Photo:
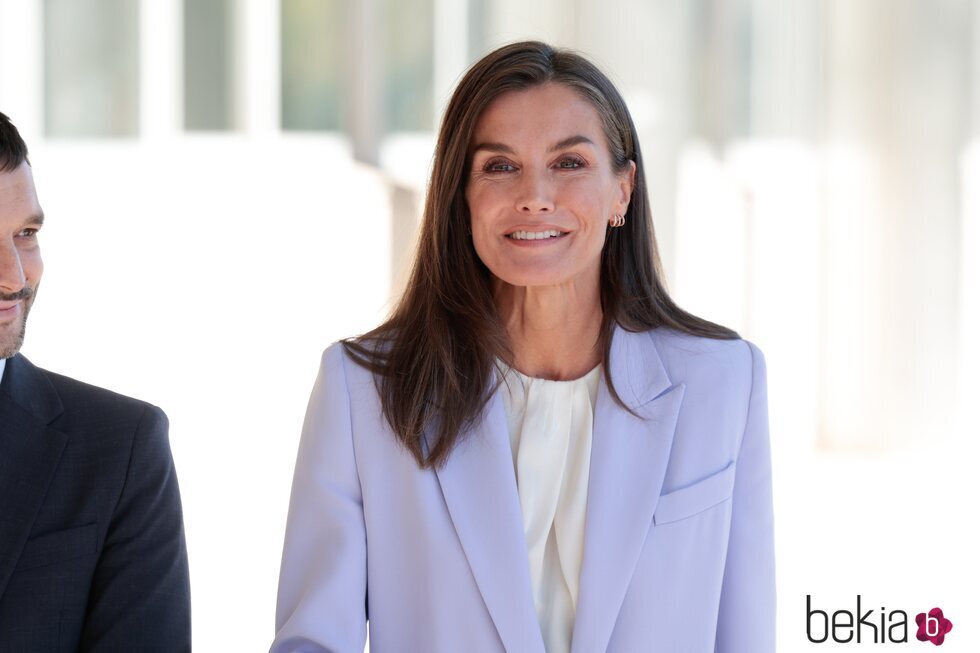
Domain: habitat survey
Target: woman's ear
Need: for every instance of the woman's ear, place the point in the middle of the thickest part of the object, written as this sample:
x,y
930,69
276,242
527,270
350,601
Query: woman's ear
x,y
626,184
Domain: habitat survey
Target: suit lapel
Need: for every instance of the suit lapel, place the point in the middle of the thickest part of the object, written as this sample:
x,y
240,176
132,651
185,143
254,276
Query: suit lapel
x,y
480,489
628,464
627,468
29,453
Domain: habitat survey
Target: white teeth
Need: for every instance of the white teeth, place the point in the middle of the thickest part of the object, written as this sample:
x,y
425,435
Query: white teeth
x,y
535,235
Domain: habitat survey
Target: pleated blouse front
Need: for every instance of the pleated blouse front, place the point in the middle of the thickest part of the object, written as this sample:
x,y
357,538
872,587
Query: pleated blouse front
x,y
550,425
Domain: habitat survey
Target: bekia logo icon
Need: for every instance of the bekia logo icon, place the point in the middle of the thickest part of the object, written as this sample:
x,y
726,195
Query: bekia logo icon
x,y
933,626
843,627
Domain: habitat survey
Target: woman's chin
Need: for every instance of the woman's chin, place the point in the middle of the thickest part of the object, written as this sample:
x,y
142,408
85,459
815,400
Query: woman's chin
x,y
530,279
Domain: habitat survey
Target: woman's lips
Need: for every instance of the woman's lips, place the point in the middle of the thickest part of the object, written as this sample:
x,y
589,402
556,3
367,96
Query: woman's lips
x,y
539,237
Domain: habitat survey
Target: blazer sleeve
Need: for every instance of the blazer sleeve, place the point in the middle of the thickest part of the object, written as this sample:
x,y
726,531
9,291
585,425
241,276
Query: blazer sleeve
x,y
747,612
140,593
323,579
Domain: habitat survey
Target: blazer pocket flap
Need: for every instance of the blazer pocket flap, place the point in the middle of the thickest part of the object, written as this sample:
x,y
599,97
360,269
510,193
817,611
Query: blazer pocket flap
x,y
59,546
689,501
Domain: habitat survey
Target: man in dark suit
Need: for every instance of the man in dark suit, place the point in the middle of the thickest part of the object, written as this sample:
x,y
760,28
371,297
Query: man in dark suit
x,y
92,554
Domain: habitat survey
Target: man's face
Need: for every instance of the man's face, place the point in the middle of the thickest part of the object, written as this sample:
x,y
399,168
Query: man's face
x,y
20,255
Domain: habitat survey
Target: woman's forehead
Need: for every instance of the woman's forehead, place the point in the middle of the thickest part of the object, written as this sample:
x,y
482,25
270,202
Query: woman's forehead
x,y
546,113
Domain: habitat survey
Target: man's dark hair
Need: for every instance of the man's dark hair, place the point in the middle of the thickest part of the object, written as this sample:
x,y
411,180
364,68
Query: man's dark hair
x,y
13,149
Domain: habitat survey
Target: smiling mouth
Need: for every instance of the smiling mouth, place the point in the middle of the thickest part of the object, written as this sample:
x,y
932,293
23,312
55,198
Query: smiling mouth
x,y
536,235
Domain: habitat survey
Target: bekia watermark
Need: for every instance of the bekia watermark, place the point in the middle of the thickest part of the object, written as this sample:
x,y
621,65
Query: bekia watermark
x,y
891,626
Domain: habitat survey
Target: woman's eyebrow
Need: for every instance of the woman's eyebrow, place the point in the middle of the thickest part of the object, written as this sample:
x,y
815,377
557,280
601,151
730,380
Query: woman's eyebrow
x,y
570,141
560,145
493,147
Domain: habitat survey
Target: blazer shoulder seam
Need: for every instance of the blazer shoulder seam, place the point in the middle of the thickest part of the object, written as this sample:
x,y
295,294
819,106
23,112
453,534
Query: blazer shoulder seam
x,y
132,454
350,417
748,405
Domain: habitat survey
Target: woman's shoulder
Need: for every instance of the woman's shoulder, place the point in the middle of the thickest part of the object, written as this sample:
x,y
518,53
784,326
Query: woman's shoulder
x,y
356,362
687,357
346,356
684,342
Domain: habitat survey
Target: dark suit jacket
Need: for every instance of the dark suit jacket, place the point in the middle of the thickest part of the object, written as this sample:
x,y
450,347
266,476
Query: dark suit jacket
x,y
92,554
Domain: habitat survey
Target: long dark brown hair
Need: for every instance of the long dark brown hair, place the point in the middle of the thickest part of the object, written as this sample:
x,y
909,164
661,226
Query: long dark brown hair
x,y
434,357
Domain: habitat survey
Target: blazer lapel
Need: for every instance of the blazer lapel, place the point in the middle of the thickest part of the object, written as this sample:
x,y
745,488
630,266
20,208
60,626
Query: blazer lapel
x,y
480,489
29,453
628,464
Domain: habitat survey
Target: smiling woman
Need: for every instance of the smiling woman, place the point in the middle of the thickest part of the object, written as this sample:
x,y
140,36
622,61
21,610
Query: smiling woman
x,y
538,450
540,192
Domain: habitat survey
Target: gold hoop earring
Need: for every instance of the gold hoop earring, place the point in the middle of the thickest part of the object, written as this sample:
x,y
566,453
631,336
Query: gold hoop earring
x,y
617,220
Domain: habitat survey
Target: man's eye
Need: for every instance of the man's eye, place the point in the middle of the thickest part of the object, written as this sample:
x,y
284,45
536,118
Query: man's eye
x,y
28,233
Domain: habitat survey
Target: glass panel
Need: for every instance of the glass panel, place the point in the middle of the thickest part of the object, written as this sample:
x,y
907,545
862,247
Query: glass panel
x,y
91,68
313,44
209,88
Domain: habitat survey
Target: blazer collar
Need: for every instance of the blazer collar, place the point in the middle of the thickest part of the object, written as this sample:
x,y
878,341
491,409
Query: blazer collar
x,y
29,453
629,460
627,469
27,387
480,489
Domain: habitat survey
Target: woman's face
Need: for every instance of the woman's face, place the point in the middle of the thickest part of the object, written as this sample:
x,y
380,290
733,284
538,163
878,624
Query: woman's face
x,y
541,187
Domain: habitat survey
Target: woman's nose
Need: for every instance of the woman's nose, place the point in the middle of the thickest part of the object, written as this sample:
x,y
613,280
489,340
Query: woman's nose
x,y
535,193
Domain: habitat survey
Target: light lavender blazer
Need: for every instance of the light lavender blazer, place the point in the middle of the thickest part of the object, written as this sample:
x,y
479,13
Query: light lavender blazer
x,y
679,524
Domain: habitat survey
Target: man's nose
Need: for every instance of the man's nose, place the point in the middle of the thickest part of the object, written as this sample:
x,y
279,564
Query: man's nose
x,y
12,277
536,194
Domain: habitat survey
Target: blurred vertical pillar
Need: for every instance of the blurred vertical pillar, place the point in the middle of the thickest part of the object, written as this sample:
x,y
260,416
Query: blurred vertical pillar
x,y
774,157
91,68
257,78
711,235
785,85
21,66
451,50
897,95
931,112
363,110
208,65
968,342
161,96
853,386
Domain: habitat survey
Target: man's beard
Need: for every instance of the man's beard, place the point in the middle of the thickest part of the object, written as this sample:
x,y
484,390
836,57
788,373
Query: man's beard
x,y
10,346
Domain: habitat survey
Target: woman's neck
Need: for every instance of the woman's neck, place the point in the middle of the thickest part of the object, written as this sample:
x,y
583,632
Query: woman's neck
x,y
553,330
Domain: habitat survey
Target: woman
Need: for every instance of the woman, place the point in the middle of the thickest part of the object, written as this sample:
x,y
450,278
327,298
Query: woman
x,y
466,481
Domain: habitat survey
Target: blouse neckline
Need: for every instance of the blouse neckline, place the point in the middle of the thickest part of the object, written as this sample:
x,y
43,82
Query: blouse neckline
x,y
587,377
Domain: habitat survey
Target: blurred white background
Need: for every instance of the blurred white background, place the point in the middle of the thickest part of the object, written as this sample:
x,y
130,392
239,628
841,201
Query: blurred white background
x,y
231,185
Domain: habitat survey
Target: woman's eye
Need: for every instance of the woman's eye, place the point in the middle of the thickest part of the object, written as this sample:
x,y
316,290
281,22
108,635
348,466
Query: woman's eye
x,y
498,166
570,164
28,233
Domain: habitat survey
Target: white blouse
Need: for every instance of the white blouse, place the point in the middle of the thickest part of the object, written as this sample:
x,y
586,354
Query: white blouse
x,y
550,424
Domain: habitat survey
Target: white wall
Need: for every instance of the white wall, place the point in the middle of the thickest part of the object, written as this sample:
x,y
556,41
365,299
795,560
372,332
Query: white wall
x,y
206,277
